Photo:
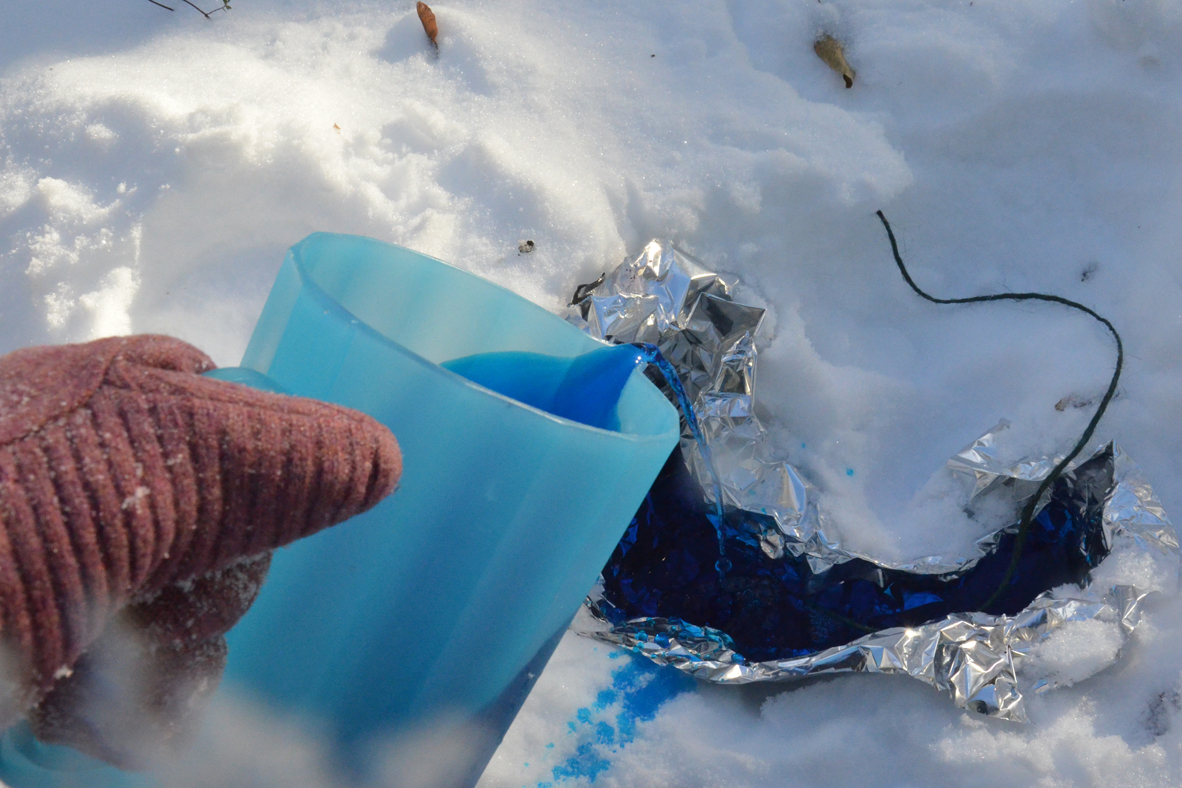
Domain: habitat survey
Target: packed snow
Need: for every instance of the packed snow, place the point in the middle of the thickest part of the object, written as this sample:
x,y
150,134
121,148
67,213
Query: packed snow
x,y
155,165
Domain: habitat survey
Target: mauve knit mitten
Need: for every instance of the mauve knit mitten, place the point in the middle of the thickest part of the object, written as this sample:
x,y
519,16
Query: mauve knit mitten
x,y
139,503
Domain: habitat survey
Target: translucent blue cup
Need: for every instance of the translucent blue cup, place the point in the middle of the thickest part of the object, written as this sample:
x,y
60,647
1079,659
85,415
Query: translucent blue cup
x,y
438,606
430,615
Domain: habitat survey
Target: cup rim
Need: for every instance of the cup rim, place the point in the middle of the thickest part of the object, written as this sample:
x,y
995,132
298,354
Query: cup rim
x,y
327,300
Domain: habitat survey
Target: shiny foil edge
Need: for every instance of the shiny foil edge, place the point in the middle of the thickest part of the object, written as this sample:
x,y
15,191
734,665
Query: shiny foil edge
x,y
666,298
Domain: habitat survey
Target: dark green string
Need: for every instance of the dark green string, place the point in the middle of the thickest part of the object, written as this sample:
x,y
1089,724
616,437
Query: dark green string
x,y
1029,511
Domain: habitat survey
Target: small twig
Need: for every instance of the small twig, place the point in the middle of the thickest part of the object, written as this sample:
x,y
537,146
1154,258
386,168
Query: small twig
x,y
207,14
162,5
203,13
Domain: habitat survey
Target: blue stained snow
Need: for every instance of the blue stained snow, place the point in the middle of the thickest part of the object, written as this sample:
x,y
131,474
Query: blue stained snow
x,y
627,726
638,690
641,698
586,762
849,471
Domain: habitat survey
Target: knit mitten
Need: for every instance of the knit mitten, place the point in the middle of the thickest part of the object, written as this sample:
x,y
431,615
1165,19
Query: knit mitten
x,y
139,503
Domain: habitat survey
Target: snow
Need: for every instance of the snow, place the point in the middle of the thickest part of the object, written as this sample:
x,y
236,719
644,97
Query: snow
x,y
154,167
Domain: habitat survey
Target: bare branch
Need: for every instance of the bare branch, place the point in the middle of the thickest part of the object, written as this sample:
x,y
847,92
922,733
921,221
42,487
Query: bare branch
x,y
203,13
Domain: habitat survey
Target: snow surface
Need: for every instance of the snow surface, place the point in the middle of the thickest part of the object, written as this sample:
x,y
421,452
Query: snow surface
x,y
154,167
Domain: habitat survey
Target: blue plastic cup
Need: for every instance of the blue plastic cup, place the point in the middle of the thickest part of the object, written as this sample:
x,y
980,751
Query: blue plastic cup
x,y
431,614
435,605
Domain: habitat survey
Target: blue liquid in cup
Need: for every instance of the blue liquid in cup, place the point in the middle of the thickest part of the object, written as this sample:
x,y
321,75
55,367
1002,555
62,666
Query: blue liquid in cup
x,y
583,389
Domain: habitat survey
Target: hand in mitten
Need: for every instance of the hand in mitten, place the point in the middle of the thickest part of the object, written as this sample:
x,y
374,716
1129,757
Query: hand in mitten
x,y
139,503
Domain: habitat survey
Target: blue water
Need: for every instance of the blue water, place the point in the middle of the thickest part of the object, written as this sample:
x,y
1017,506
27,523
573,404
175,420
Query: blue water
x,y
583,389
668,565
652,355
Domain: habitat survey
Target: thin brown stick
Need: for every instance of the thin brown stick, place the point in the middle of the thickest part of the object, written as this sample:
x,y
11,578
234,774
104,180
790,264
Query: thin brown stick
x,y
162,5
203,13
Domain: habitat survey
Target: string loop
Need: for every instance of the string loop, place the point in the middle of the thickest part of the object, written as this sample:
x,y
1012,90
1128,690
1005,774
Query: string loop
x,y
1028,511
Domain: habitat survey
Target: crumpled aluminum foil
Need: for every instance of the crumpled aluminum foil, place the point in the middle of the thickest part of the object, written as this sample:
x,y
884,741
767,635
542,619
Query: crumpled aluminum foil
x,y
666,299
985,662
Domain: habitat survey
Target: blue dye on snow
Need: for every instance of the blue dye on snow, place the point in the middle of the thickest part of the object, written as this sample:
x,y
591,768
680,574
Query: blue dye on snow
x,y
550,746
639,689
627,726
605,698
584,763
849,471
644,689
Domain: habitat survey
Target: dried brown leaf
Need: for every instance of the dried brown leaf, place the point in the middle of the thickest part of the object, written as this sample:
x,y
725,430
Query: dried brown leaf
x,y
1073,401
427,17
830,50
